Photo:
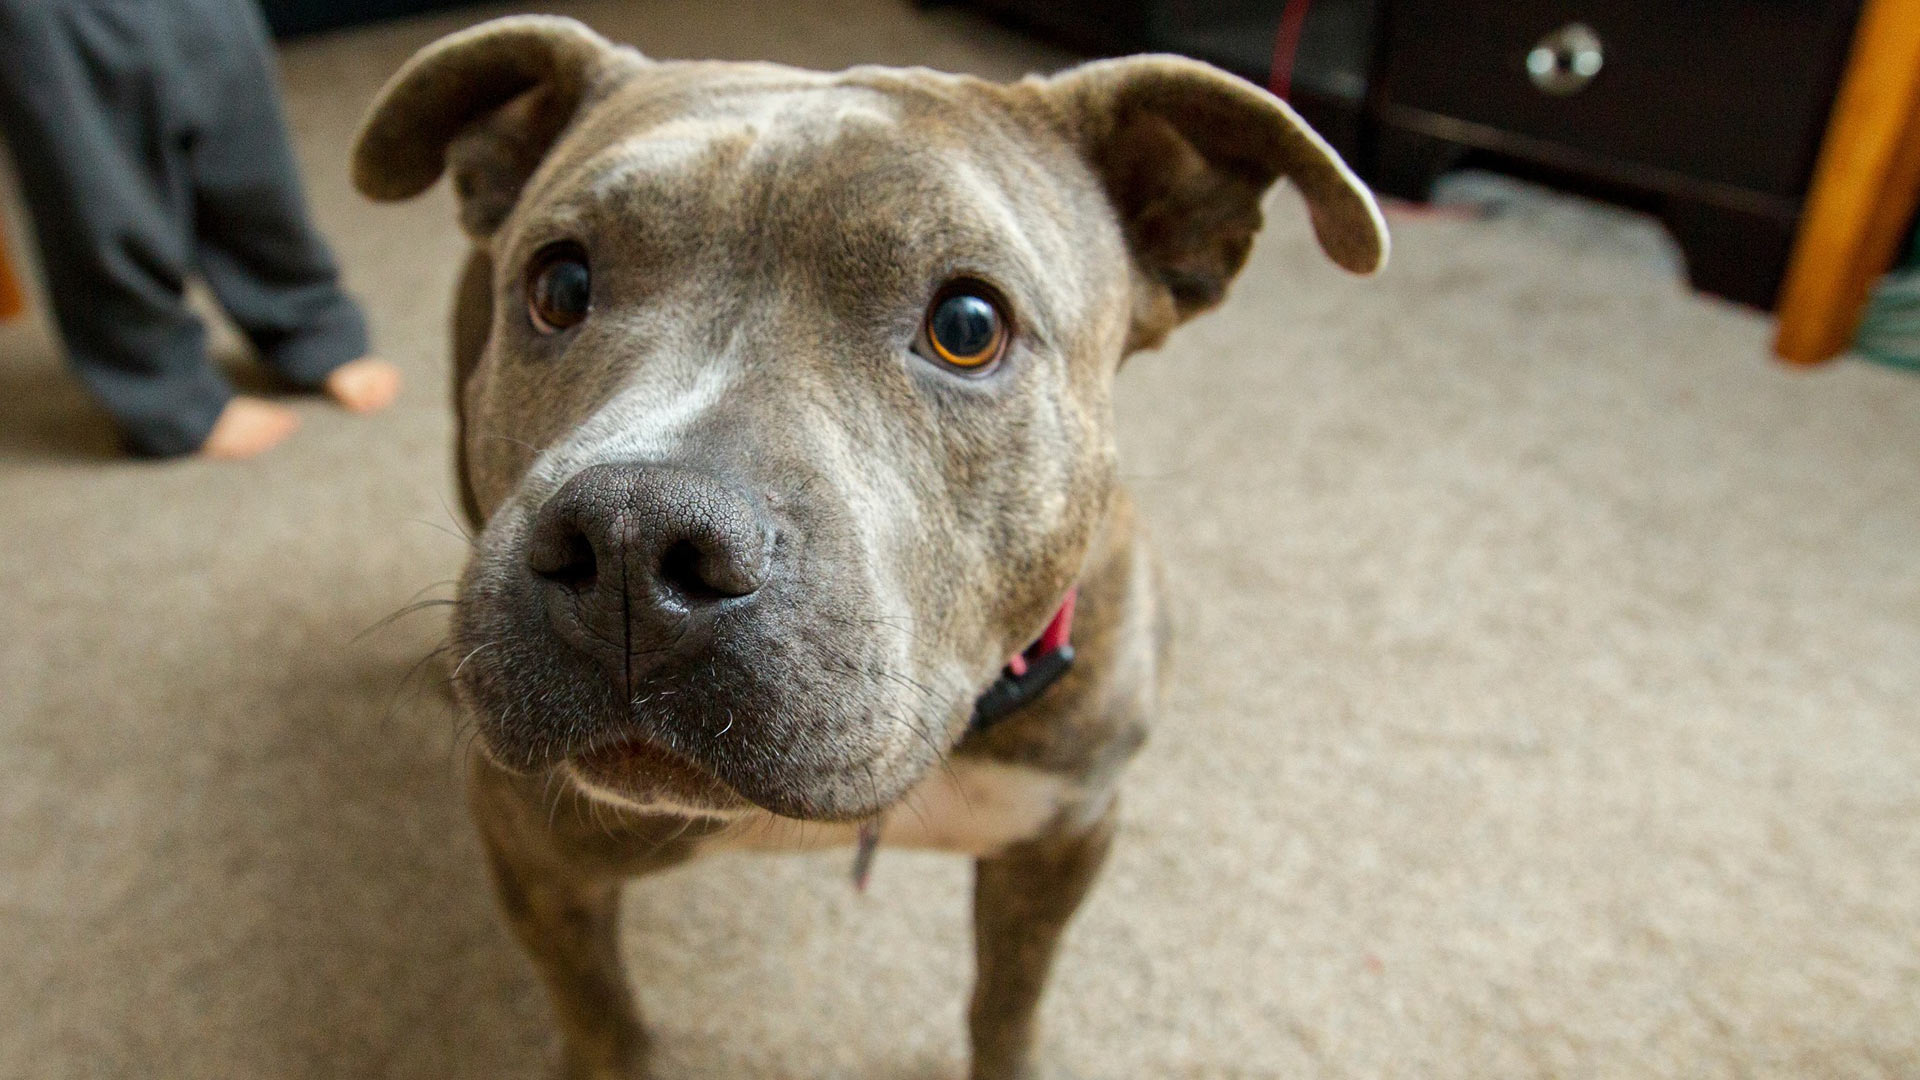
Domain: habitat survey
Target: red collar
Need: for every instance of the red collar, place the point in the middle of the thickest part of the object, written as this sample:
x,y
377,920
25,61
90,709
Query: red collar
x,y
1030,671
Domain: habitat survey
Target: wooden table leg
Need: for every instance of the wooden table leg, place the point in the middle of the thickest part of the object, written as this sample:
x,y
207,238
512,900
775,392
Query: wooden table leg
x,y
1865,188
13,298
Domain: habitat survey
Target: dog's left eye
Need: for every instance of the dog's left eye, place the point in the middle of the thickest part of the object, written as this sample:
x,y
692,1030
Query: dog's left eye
x,y
965,327
559,287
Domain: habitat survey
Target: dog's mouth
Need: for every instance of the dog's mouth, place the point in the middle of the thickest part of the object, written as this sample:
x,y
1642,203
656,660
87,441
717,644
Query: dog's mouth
x,y
649,776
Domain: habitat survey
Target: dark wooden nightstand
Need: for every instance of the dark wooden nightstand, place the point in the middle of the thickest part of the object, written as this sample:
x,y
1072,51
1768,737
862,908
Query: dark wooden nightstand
x,y
1708,113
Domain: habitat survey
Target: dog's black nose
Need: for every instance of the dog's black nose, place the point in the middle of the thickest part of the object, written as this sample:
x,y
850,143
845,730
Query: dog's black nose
x,y
634,550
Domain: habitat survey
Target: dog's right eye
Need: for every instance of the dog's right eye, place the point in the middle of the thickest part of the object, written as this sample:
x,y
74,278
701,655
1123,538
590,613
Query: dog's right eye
x,y
559,287
965,328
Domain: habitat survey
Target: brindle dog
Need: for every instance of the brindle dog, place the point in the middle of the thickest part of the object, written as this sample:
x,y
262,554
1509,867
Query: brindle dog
x,y
785,411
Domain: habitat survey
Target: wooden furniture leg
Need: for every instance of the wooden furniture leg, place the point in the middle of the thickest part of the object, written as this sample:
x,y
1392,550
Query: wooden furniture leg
x,y
1865,187
13,298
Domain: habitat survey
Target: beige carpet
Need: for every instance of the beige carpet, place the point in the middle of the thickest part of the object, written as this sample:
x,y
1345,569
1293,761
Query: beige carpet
x,y
1547,708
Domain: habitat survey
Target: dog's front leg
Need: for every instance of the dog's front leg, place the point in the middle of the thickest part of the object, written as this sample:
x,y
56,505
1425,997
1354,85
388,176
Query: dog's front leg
x,y
1022,900
571,929
566,914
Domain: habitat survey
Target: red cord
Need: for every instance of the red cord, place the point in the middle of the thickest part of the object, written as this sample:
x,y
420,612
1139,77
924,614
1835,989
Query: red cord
x,y
1286,45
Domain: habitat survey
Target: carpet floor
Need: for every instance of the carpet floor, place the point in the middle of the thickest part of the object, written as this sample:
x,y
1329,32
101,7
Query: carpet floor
x,y
1546,703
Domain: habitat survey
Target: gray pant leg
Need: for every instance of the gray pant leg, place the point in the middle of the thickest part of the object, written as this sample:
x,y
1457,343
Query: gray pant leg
x,y
256,247
104,175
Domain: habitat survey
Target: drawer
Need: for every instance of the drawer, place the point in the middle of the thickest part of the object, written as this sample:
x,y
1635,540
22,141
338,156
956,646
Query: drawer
x,y
1731,92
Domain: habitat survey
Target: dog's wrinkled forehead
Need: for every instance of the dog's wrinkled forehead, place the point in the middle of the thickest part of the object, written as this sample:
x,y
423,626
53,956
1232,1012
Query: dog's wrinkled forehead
x,y
828,186
753,124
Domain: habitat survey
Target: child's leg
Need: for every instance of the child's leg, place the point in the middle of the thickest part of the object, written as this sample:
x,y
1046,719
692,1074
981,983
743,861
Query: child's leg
x,y
255,245
82,107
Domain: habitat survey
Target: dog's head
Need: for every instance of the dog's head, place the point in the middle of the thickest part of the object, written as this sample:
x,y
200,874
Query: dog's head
x,y
792,416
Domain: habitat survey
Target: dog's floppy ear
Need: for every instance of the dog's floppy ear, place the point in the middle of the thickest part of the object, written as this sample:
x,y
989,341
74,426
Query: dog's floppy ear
x,y
487,104
1186,152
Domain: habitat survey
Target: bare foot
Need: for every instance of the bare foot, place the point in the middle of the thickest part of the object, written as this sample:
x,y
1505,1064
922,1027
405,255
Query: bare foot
x,y
248,427
366,385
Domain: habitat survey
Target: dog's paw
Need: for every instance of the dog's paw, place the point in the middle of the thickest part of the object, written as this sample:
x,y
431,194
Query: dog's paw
x,y
629,1062
630,1070
1030,1070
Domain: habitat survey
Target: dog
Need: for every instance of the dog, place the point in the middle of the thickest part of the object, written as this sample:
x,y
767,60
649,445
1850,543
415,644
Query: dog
x,y
784,415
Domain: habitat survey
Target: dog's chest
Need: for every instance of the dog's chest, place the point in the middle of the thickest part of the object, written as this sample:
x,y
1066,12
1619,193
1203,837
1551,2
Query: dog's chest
x,y
971,807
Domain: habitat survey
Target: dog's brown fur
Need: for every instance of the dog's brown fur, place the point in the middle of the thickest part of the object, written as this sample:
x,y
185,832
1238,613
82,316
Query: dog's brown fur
x,y
763,241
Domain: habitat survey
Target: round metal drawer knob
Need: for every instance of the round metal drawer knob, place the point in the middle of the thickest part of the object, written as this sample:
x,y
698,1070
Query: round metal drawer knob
x,y
1565,61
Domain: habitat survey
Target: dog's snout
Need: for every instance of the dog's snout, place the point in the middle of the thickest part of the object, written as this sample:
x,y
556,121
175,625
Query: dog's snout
x,y
644,546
